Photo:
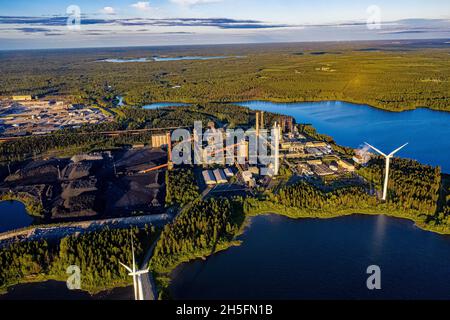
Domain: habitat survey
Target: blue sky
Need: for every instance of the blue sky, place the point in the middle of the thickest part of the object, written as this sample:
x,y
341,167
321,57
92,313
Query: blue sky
x,y
292,11
133,22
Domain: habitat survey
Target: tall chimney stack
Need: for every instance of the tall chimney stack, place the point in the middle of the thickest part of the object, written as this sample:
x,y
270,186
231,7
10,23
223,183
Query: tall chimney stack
x,y
169,151
262,119
257,123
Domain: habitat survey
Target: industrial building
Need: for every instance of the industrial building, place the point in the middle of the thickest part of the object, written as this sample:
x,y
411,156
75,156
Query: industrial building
x,y
208,177
293,146
248,178
37,117
315,144
322,170
220,177
228,172
22,98
347,166
314,162
160,140
287,123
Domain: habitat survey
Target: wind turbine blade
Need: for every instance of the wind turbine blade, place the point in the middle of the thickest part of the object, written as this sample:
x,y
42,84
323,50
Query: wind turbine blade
x,y
132,251
376,149
397,150
126,267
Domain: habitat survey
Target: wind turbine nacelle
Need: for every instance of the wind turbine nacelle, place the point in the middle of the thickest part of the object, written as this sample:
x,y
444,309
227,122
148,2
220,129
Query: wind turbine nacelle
x,y
138,273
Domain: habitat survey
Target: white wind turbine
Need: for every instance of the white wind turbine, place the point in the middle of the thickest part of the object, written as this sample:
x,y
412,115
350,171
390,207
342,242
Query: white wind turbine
x,y
137,277
388,161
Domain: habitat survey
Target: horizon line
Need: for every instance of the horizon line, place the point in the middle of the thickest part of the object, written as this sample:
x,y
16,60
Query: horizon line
x,y
226,44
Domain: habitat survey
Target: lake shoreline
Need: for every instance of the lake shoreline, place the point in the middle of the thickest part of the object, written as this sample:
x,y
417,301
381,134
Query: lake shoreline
x,y
89,294
348,213
304,215
293,101
192,280
236,241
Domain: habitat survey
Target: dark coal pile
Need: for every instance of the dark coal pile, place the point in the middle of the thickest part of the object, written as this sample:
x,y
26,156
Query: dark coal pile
x,y
139,193
90,185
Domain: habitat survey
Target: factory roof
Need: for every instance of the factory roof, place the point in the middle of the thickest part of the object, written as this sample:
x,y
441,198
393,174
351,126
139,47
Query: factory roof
x,y
208,177
228,172
220,176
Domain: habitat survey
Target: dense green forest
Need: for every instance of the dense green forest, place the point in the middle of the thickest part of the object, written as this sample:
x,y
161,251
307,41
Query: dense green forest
x,y
394,76
414,191
138,118
97,254
306,196
442,218
65,143
412,186
181,187
208,226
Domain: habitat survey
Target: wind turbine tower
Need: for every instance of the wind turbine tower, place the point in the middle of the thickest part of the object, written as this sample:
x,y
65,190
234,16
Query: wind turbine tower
x,y
388,161
137,276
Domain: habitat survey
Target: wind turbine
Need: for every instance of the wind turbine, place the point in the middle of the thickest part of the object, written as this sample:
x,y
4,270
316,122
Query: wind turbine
x,y
388,161
137,276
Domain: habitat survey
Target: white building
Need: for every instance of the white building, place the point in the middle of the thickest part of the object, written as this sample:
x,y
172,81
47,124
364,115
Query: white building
x,y
220,176
228,172
247,176
208,177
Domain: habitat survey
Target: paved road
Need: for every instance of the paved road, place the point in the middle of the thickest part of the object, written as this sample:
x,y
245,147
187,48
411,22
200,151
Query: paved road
x,y
66,229
148,282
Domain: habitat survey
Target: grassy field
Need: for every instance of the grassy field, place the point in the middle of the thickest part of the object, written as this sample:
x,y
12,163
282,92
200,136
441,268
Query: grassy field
x,y
393,76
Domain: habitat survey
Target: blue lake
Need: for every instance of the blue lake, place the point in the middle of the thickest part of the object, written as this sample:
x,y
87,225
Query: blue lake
x,y
125,60
13,216
161,59
158,105
193,58
427,131
282,258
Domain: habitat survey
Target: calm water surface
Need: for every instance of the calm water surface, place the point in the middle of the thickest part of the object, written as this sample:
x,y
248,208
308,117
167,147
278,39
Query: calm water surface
x,y
57,290
282,258
158,105
13,216
158,59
